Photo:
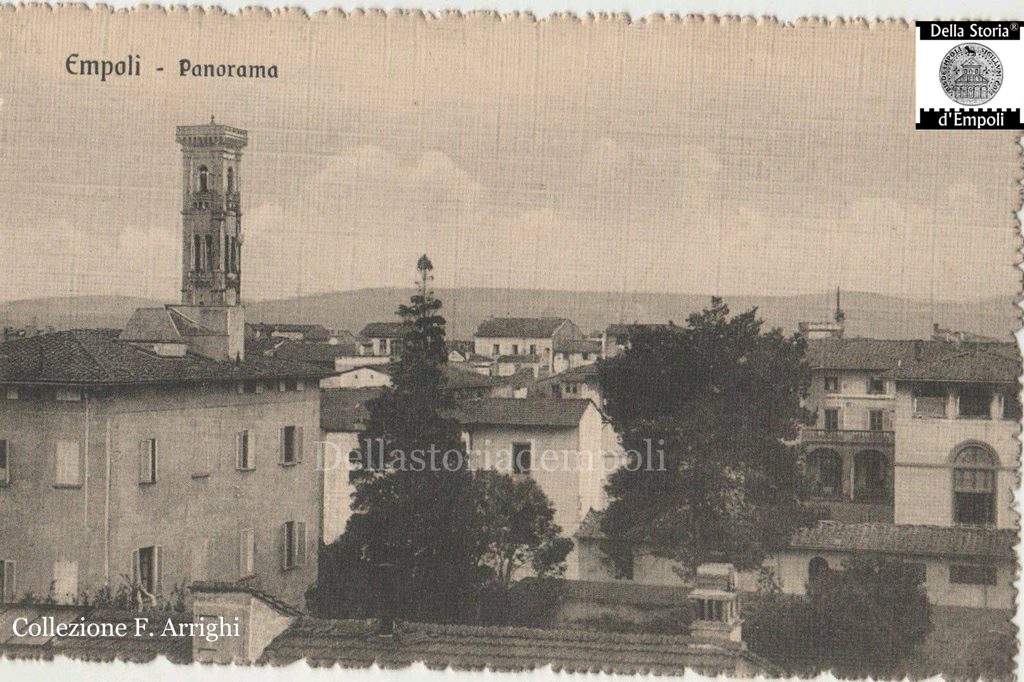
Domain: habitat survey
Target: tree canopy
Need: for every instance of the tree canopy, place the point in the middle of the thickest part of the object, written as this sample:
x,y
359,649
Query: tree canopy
x,y
708,414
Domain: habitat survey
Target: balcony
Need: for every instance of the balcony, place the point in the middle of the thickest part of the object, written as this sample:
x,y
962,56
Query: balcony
x,y
847,437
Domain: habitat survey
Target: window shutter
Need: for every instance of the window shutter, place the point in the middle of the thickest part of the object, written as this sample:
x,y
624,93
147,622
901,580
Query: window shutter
x,y
252,449
300,385
7,450
158,570
136,572
284,544
246,540
281,386
298,443
238,449
280,455
144,462
300,543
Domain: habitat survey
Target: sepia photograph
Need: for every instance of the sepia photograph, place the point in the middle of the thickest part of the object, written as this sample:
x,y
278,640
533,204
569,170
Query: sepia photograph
x,y
660,345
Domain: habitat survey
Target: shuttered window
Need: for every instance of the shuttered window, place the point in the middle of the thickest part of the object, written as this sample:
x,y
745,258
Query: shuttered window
x,y
7,584
5,462
68,464
148,461
246,554
294,544
291,445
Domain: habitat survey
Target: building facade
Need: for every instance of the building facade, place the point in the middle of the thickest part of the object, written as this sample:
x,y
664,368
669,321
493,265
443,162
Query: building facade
x,y
144,459
505,337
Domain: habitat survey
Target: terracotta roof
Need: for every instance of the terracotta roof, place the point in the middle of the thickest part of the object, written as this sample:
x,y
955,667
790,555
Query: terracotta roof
x,y
888,354
177,649
97,356
317,352
551,412
356,644
310,332
519,327
578,346
344,409
888,538
161,325
385,330
466,378
984,363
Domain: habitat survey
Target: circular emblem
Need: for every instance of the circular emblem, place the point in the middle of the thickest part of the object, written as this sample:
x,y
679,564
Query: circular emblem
x,y
971,74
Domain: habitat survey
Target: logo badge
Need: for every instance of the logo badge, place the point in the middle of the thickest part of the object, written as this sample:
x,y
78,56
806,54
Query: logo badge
x,y
971,74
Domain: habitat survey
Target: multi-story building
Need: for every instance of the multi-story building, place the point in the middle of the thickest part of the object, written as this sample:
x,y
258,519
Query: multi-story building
x,y
573,353
146,457
502,337
384,339
560,444
914,455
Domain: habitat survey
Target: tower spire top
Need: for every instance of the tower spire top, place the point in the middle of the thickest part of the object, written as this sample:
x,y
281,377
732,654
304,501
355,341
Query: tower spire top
x,y
839,315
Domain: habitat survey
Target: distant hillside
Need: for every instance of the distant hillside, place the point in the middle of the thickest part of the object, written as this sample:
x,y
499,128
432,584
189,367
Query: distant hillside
x,y
866,314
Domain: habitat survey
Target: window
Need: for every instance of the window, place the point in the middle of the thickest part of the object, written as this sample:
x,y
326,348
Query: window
x,y
495,349
68,464
197,253
817,568
146,571
522,453
875,419
825,472
930,400
7,584
515,349
294,544
870,480
533,349
204,179
1011,406
974,486
245,451
231,180
832,419
147,461
249,387
67,395
586,356
12,393
831,384
296,385
876,386
208,253
246,554
291,445
974,402
5,462
972,574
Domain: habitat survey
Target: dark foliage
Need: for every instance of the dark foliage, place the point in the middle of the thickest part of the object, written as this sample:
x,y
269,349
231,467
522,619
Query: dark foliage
x,y
721,399
863,620
428,541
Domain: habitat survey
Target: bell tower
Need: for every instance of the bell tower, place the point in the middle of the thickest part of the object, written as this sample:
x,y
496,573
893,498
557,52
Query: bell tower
x,y
211,216
211,237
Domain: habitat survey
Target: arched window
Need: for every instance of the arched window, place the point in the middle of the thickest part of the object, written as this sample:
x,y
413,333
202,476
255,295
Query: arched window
x,y
870,476
231,180
825,473
974,485
204,179
817,568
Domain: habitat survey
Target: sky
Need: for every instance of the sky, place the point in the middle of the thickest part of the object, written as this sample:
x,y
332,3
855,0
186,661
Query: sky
x,y
596,155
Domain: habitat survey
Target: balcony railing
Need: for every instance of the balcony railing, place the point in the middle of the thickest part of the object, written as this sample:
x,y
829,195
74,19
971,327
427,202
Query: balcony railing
x,y
846,437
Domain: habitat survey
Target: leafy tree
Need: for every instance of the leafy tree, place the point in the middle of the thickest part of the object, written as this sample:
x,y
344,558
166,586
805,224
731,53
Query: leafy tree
x,y
412,545
428,540
518,528
863,620
708,414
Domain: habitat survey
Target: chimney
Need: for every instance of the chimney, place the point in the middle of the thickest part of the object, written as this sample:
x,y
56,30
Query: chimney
x,y
237,622
716,604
